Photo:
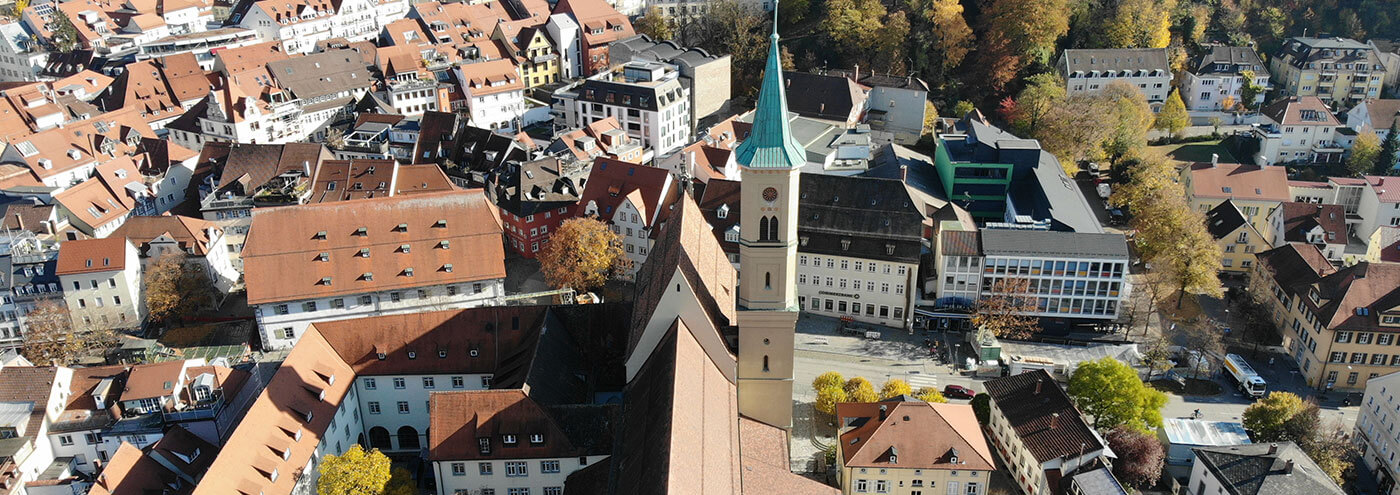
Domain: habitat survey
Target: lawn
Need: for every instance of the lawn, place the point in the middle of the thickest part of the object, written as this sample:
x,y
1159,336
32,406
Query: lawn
x,y
1194,152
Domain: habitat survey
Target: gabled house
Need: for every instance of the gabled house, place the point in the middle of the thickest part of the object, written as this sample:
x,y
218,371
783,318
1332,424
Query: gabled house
x,y
101,281
199,243
1318,224
902,442
535,197
632,199
1041,436
1297,129
599,25
1237,238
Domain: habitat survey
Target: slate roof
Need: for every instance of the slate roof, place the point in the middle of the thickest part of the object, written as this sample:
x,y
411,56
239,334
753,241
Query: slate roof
x,y
534,186
1252,470
1050,243
322,74
1031,415
858,216
1223,59
1224,219
1115,59
821,96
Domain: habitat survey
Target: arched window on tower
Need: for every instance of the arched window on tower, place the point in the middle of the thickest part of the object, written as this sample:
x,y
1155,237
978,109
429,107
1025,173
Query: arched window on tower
x,y
763,229
767,280
765,363
773,229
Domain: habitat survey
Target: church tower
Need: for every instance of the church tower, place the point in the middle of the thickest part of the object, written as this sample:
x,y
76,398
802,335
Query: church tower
x,y
770,159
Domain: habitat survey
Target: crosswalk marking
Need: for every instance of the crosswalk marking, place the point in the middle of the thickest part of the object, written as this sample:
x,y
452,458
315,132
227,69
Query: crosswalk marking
x,y
917,381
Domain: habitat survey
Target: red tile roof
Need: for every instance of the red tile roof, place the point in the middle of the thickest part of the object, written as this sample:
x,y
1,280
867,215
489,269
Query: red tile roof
x,y
1239,182
153,380
91,256
279,258
922,435
460,419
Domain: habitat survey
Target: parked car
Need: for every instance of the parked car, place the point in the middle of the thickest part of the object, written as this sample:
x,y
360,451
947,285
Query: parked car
x,y
958,392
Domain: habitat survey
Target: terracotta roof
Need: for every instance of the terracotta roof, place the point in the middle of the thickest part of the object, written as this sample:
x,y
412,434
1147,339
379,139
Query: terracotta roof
x,y
1389,243
593,15
461,419
920,435
1240,182
131,472
153,380
1354,297
1300,110
488,78
285,240
1033,417
422,179
190,233
230,380
26,384
92,255
285,422
1382,113
86,379
1387,188
764,464
495,333
1298,218
685,243
344,180
93,203
235,60
90,81
610,181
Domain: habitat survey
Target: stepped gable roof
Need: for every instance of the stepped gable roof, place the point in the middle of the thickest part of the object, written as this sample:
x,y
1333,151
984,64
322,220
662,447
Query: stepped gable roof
x,y
1042,415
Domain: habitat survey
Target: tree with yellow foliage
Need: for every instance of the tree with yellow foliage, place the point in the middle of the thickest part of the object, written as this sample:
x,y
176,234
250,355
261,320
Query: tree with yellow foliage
x,y
930,394
859,389
582,254
895,387
355,472
1140,24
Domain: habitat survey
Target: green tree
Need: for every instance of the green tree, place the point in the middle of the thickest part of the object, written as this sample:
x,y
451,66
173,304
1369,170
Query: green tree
x,y
1250,90
1043,92
65,34
941,35
895,387
1269,417
1365,154
1128,119
582,253
1173,117
655,24
792,12
982,407
930,394
860,390
1109,391
829,396
866,30
1390,149
355,472
734,28
961,109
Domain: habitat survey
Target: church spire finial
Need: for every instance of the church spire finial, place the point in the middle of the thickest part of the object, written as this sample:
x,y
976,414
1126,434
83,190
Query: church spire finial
x,y
770,143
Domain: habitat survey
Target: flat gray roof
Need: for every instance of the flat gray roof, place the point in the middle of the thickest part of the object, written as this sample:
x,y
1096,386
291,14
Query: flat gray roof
x,y
1053,244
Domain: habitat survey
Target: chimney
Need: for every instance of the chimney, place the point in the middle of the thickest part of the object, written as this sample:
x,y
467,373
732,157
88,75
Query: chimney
x,y
1273,449
1214,159
883,411
1038,384
903,173
19,220
1054,420
1288,467
856,76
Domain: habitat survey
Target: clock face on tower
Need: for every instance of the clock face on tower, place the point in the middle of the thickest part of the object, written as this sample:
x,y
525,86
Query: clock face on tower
x,y
770,195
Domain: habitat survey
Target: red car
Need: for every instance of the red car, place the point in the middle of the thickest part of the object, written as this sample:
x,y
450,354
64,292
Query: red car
x,y
958,392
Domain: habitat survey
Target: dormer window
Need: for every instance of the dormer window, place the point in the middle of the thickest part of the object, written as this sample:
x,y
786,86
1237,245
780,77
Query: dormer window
x,y
403,227
508,439
447,267
367,276
483,445
722,212
325,280
440,224
323,257
404,248
408,272
444,245
380,356
364,253
361,232
442,353
320,236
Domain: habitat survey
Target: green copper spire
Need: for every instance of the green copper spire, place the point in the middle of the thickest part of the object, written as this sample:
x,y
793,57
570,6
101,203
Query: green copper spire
x,y
770,143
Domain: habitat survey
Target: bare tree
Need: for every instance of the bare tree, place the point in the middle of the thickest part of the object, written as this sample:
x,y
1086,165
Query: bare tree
x,y
52,337
1202,340
1008,311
